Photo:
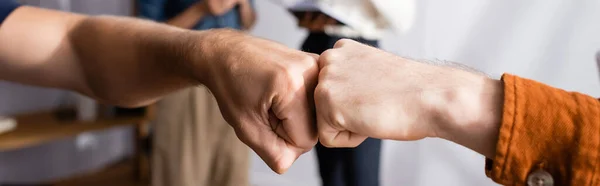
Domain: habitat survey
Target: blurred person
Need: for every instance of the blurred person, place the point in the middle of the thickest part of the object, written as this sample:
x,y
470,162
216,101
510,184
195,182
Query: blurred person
x,y
358,166
262,87
532,134
192,143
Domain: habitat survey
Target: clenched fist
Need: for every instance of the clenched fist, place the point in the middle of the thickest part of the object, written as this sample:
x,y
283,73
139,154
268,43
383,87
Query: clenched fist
x,y
365,92
263,90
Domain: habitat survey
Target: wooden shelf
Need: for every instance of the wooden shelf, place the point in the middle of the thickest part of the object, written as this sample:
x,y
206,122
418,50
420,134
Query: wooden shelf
x,y
42,127
121,174
37,128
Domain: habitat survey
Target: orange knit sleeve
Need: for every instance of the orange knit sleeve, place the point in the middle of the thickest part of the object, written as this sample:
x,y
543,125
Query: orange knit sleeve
x,y
547,135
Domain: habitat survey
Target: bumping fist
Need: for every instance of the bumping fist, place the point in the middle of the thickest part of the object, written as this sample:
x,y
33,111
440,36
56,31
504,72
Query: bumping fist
x,y
365,92
263,90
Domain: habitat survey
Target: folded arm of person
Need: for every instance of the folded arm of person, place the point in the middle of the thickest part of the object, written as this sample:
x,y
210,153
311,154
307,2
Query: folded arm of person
x,y
531,133
190,16
247,14
154,10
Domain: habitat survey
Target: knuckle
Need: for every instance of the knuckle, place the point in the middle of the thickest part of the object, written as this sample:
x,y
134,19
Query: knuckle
x,y
329,56
327,73
331,112
308,145
342,42
283,77
338,121
322,93
308,60
245,138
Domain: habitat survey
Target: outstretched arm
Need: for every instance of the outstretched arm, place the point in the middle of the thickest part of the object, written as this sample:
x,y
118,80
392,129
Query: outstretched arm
x,y
118,60
262,87
531,133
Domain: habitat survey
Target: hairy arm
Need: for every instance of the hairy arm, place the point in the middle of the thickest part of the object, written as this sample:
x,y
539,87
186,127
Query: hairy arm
x,y
474,112
122,61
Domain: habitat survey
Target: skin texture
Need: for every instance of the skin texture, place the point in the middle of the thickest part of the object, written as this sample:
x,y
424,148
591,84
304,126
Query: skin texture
x,y
365,92
262,87
276,84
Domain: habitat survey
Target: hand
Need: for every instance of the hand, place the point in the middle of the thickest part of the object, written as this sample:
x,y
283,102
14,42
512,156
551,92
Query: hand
x,y
315,24
263,89
220,7
365,92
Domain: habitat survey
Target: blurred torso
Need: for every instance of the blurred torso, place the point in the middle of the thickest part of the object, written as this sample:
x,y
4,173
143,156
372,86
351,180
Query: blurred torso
x,y
231,19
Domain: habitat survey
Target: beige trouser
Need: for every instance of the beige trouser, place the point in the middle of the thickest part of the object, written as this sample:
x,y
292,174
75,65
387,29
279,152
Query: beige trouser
x,y
194,146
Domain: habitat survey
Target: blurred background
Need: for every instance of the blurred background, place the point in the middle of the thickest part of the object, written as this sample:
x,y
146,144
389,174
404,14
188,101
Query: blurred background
x,y
551,41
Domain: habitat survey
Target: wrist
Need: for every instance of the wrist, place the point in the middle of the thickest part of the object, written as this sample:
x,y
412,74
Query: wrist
x,y
211,49
473,113
185,55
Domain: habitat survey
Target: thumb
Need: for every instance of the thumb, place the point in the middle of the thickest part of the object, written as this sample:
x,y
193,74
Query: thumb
x,y
278,154
331,126
330,136
281,160
316,56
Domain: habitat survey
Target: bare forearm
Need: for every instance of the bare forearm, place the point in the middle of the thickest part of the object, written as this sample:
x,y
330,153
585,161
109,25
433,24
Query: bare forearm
x,y
123,61
474,113
133,62
189,17
247,15
32,42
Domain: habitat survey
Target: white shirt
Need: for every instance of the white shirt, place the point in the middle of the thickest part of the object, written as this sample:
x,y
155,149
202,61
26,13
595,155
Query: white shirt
x,y
369,19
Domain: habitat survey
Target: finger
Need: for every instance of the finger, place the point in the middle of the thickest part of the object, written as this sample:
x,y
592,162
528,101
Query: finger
x,y
277,126
311,79
344,43
295,111
319,23
331,132
273,150
313,55
328,57
339,139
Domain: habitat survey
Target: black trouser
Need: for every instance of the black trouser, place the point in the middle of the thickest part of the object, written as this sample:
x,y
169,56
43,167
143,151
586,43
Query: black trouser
x,y
345,166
